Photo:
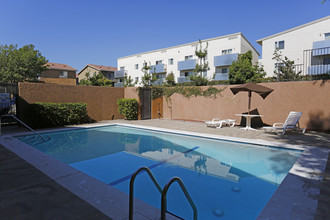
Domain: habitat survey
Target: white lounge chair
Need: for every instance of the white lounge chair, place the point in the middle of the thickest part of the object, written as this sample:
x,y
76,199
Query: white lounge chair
x,y
291,123
216,122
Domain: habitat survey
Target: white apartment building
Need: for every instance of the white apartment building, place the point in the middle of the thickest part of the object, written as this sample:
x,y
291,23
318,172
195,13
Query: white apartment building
x,y
181,60
307,45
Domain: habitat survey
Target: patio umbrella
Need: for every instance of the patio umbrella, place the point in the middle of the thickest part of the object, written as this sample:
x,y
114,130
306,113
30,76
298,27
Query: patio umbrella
x,y
252,87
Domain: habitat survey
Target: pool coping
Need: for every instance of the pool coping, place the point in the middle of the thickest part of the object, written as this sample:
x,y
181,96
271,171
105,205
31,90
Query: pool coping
x,y
293,197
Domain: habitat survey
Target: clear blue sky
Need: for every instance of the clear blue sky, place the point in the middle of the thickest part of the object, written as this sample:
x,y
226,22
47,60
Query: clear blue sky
x,y
78,32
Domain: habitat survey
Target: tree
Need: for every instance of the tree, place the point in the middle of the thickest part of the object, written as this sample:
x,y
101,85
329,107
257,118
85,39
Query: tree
x,y
128,81
285,69
170,80
19,65
147,78
201,66
96,80
242,70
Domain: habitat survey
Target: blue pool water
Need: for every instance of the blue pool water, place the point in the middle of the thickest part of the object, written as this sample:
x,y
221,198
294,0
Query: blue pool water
x,y
226,180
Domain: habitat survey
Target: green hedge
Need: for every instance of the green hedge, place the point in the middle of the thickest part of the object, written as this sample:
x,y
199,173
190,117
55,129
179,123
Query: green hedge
x,y
128,108
40,115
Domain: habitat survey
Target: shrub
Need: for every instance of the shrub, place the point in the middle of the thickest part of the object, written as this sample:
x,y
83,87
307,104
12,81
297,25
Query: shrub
x,y
128,108
56,114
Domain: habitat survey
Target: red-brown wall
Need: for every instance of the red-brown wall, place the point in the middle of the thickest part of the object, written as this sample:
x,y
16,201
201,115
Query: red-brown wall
x,y
101,101
310,97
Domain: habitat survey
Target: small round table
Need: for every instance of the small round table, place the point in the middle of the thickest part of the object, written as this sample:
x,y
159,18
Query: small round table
x,y
248,120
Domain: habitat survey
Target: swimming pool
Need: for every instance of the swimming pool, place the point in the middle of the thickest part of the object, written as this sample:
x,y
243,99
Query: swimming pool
x,y
227,180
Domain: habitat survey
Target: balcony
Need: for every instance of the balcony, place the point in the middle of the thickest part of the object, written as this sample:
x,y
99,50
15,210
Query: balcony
x,y
319,69
160,68
183,79
159,82
120,74
225,60
321,47
119,84
221,76
186,65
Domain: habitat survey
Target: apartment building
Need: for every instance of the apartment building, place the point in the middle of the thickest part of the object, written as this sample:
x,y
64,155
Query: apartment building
x,y
181,60
307,45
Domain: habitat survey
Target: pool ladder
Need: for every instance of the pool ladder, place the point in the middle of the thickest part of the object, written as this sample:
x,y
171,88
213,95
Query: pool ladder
x,y
163,193
42,139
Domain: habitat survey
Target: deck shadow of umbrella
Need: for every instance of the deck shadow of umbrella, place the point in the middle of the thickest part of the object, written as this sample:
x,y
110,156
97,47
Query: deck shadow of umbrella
x,y
256,121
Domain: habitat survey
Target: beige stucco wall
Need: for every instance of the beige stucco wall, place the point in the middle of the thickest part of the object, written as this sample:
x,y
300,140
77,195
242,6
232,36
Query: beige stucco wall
x,y
101,101
89,69
311,97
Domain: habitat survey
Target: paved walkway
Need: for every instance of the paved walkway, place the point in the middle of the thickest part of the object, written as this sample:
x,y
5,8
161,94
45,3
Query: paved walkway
x,y
28,191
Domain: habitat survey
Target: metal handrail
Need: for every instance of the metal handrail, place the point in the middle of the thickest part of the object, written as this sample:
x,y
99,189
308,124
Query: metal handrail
x,y
185,191
24,125
131,188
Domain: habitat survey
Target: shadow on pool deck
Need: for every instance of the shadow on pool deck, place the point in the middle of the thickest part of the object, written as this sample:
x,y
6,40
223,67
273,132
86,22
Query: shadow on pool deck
x,y
27,193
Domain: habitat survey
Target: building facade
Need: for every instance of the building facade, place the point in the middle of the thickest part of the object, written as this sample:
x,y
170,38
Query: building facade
x,y
59,73
307,45
181,60
107,71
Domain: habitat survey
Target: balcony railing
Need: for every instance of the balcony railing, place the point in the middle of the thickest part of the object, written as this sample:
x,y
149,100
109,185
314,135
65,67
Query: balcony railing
x,y
225,60
120,74
221,76
183,79
187,65
119,84
160,68
158,82
319,69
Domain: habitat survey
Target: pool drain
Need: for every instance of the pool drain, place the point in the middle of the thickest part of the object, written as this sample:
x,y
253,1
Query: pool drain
x,y
218,212
235,189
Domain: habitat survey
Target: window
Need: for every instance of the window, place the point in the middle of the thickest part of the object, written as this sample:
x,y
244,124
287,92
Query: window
x,y
278,65
186,74
122,68
327,36
136,66
158,62
228,51
205,74
63,74
136,79
224,70
160,76
279,45
170,61
188,57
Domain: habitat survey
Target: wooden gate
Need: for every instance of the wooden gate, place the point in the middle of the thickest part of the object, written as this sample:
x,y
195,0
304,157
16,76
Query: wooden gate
x,y
145,100
157,108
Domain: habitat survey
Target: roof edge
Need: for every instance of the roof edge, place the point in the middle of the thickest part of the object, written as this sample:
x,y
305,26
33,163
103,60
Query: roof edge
x,y
180,45
293,29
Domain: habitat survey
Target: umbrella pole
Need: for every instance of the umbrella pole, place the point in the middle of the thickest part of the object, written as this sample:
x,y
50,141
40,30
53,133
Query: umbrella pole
x,y
249,106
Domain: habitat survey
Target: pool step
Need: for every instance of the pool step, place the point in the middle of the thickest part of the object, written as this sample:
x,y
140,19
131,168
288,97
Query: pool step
x,y
34,140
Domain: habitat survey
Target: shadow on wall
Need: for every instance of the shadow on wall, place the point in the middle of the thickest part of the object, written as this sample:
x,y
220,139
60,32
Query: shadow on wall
x,y
256,122
318,121
323,82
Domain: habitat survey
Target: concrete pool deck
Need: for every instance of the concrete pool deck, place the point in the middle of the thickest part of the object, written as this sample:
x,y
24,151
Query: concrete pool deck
x,y
311,139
